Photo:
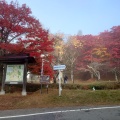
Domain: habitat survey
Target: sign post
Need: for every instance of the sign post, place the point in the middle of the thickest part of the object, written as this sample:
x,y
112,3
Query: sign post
x,y
45,79
59,68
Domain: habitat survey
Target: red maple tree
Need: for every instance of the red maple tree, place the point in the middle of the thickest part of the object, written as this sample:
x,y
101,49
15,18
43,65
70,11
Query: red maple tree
x,y
112,40
20,32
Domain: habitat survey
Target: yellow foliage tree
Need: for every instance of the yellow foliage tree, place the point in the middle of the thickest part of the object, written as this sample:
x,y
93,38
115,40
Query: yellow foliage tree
x,y
75,42
101,53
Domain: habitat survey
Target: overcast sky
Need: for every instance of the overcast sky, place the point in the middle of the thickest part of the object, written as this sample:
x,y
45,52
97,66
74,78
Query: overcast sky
x,y
71,16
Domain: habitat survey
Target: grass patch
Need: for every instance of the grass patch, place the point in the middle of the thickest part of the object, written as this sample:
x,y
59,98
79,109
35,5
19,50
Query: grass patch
x,y
68,98
80,94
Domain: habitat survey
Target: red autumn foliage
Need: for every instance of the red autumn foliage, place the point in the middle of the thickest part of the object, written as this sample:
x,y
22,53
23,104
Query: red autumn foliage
x,y
86,56
112,39
20,32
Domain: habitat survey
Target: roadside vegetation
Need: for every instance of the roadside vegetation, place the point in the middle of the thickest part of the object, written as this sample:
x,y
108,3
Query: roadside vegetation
x,y
81,94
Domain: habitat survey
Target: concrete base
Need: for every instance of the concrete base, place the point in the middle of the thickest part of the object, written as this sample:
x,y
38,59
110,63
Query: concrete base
x,y
2,92
24,93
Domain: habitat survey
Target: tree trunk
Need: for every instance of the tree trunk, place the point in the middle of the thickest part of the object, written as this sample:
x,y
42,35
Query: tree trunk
x,y
72,76
98,75
116,77
91,75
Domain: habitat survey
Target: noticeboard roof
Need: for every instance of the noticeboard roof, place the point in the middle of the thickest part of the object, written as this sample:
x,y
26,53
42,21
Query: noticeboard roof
x,y
17,58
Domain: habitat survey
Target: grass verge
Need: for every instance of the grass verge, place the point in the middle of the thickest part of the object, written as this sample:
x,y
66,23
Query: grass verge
x,y
68,98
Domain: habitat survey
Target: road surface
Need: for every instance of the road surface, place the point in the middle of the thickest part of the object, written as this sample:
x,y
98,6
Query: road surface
x,y
74,113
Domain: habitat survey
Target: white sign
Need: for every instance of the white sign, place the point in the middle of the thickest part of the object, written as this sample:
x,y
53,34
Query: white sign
x,y
59,67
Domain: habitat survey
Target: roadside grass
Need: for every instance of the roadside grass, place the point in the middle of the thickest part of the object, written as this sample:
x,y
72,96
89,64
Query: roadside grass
x,y
69,97
88,85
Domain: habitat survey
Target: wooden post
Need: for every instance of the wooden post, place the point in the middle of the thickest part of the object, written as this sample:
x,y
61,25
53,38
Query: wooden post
x,y
24,93
3,79
47,88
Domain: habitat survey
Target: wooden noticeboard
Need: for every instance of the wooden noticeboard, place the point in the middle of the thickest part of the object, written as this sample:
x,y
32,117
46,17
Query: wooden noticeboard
x,y
15,70
45,79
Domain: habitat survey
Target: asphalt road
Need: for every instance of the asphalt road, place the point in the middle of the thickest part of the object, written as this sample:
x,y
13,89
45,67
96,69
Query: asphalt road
x,y
74,113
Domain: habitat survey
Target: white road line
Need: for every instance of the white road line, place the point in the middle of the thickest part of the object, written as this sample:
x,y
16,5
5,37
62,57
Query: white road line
x,y
63,111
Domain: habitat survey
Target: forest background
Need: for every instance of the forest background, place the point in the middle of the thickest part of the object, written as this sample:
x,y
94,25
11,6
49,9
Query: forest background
x,y
85,56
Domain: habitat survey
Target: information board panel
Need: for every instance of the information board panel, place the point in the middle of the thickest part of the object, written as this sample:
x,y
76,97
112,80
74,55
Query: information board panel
x,y
14,74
